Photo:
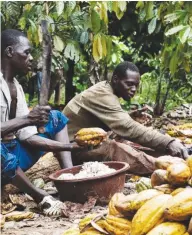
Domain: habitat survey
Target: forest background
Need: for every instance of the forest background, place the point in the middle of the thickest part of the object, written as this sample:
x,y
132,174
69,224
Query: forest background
x,y
91,37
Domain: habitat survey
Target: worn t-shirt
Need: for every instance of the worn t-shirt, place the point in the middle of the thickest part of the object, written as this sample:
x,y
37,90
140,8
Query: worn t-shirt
x,y
21,109
98,106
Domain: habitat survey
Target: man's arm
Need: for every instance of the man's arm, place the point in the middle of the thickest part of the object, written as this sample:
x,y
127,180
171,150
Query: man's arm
x,y
108,110
39,115
45,144
14,125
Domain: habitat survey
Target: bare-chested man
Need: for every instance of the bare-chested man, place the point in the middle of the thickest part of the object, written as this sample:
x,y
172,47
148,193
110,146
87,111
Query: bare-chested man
x,y
21,145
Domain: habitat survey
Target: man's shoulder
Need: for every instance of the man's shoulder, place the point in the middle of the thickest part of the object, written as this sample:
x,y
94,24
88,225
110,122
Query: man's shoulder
x,y
100,88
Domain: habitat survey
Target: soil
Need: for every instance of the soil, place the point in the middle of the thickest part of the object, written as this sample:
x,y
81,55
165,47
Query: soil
x,y
41,225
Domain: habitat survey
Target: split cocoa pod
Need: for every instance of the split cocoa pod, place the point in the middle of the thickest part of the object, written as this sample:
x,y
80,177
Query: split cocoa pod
x,y
159,177
178,174
90,136
164,162
179,208
136,201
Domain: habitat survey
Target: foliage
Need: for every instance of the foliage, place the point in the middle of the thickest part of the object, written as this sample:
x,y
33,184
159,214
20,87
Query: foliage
x,y
97,35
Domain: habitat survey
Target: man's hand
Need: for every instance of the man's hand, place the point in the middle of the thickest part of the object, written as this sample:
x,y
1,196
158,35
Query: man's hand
x,y
177,149
141,116
39,115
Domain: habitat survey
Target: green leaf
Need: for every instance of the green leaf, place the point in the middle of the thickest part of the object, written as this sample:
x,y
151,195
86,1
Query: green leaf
x,y
173,63
51,23
109,47
140,4
84,37
174,30
92,4
95,52
114,58
95,20
58,43
184,34
110,6
22,22
122,5
104,48
59,7
149,10
71,52
117,10
152,25
171,17
103,12
119,14
33,26
142,15
71,6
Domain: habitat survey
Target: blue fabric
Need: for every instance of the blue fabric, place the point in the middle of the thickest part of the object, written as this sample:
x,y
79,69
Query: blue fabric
x,y
15,153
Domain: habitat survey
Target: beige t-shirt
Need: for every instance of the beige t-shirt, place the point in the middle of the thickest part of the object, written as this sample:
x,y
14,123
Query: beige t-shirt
x,y
98,106
21,110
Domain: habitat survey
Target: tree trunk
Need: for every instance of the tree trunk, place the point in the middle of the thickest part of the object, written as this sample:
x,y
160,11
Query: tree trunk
x,y
44,94
69,88
165,97
57,93
158,97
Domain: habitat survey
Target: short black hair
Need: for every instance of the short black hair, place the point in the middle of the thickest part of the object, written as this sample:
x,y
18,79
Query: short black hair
x,y
10,37
120,70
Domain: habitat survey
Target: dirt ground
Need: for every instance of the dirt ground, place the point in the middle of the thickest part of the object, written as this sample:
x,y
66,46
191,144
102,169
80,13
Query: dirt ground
x,y
41,225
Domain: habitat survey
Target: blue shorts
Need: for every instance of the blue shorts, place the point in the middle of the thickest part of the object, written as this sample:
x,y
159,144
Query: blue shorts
x,y
14,153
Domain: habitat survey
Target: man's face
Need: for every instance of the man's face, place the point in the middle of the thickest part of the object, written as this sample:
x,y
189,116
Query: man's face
x,y
126,87
21,57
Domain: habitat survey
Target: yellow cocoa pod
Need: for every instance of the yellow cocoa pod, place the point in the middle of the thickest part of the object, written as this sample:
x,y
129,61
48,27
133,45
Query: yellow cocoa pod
x,y
72,231
178,174
172,133
164,162
168,228
149,214
142,198
116,199
91,231
86,220
165,188
91,131
190,227
90,136
189,163
19,215
159,177
113,230
190,182
176,191
179,208
120,223
123,206
2,220
184,126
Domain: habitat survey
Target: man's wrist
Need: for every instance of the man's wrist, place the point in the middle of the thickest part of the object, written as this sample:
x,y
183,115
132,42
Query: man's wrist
x,y
27,120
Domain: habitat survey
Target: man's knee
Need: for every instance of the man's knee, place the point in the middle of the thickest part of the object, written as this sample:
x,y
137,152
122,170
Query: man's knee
x,y
9,164
57,122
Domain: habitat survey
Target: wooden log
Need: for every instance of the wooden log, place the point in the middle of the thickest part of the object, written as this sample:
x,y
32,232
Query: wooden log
x,y
43,168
